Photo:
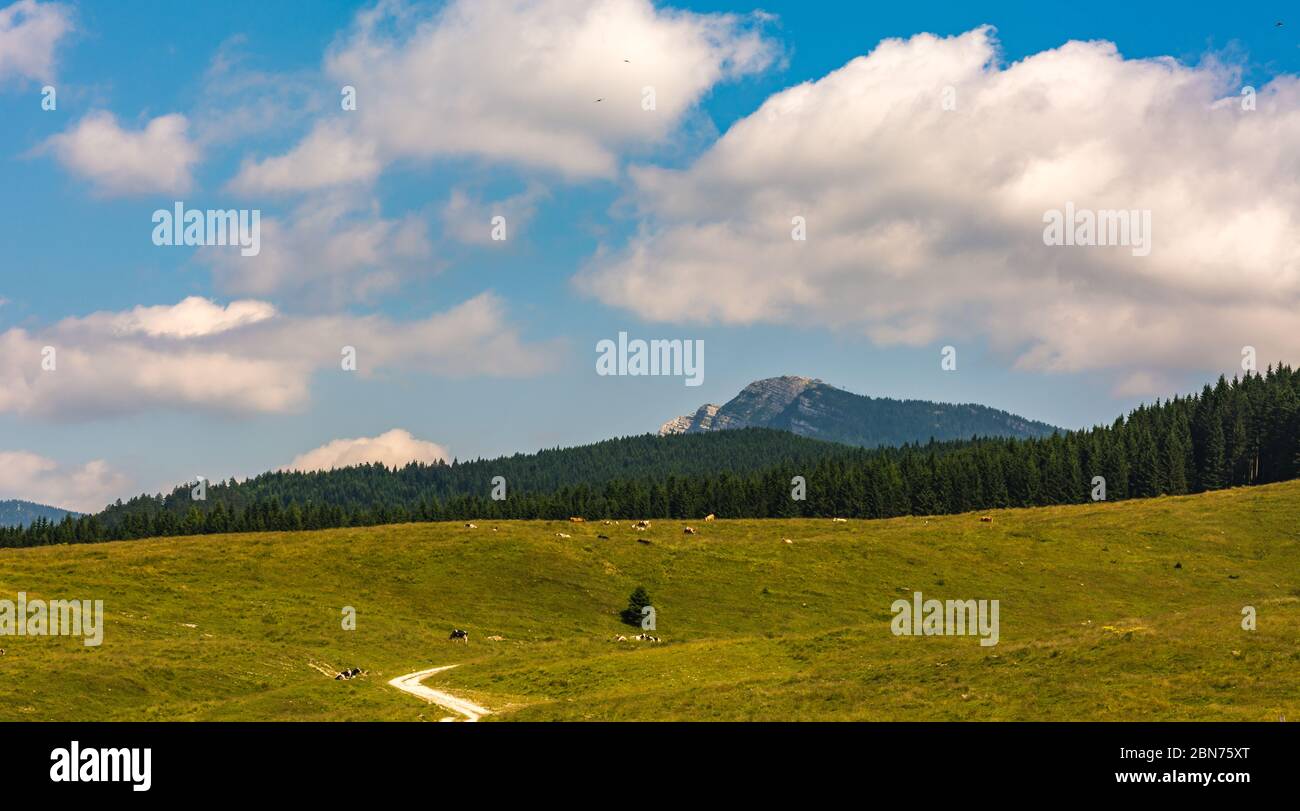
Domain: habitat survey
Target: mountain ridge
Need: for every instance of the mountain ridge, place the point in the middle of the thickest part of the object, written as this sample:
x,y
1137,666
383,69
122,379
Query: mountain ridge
x,y
812,408
17,512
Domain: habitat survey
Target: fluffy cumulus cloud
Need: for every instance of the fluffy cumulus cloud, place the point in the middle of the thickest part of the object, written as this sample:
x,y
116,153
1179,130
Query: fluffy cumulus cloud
x,y
393,448
84,488
29,33
515,81
925,219
158,157
242,358
333,250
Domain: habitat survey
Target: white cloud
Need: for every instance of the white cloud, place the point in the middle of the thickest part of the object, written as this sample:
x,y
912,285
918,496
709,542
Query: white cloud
x,y
192,317
469,220
86,488
393,448
29,33
513,81
238,101
243,358
157,158
331,251
926,224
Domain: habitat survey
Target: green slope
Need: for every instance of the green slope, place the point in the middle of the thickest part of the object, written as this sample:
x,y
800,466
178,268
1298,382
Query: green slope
x,y
1096,620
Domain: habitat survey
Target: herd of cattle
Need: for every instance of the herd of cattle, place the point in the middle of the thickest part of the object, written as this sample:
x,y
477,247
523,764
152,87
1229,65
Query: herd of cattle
x,y
643,525
461,635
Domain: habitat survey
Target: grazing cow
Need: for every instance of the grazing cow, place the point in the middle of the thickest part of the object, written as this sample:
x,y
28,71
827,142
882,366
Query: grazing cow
x,y
689,531
641,525
459,635
709,517
986,519
577,519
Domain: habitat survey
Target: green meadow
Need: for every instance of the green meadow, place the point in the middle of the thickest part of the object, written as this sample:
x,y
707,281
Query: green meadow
x,y
1124,611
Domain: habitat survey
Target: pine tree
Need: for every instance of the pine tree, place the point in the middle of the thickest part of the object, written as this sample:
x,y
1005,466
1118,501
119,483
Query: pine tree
x,y
638,600
1214,457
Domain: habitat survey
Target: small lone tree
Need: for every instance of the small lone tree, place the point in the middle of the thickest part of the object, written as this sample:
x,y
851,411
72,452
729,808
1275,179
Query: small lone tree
x,y
639,600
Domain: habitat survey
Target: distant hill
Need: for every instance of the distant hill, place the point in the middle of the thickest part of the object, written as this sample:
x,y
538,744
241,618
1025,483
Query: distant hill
x,y
16,513
814,409
370,487
1243,432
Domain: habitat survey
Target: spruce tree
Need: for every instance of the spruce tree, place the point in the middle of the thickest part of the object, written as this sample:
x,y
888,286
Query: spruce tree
x,y
638,600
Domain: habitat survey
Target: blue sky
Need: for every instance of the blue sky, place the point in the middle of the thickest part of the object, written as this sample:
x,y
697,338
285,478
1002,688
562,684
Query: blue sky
x,y
253,81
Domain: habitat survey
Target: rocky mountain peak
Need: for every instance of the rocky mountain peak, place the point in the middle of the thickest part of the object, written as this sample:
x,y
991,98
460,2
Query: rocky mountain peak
x,y
809,407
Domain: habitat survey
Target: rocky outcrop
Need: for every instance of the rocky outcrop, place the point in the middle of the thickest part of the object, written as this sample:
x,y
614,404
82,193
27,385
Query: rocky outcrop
x,y
762,402
701,420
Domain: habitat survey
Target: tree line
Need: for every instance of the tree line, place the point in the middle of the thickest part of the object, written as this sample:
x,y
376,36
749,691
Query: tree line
x,y
1240,432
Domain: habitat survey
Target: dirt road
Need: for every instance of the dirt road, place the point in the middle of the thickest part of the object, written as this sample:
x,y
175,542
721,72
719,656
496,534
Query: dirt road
x,y
410,683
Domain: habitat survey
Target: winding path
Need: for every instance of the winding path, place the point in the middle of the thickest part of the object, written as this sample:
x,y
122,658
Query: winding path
x,y
410,683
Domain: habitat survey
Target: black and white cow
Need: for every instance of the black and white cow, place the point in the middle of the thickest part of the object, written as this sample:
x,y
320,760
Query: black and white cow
x,y
459,635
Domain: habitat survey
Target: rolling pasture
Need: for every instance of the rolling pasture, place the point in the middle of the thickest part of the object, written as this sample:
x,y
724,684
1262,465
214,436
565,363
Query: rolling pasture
x,y
1124,611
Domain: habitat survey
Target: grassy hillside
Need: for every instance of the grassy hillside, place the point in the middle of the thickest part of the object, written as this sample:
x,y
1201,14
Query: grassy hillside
x,y
1096,620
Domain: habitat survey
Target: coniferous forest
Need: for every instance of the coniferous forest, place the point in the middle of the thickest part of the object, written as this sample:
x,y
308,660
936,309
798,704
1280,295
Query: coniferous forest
x,y
1240,432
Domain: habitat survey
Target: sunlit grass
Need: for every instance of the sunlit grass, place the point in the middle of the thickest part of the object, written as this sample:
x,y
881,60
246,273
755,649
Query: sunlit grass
x,y
1096,621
